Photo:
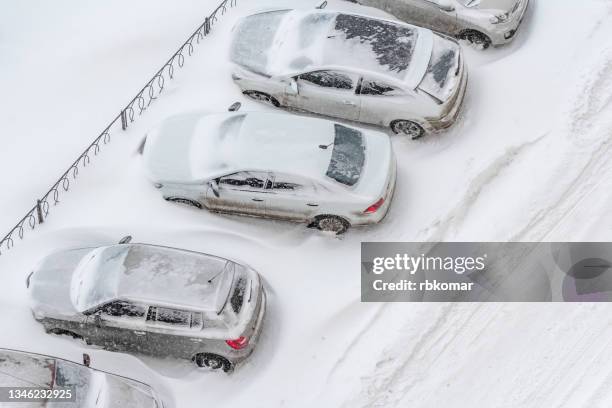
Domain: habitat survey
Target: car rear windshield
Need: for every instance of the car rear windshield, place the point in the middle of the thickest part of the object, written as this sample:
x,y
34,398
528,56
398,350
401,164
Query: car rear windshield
x,y
440,79
347,157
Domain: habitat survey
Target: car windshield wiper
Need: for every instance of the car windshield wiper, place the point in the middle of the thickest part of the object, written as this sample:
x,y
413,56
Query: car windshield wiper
x,y
222,270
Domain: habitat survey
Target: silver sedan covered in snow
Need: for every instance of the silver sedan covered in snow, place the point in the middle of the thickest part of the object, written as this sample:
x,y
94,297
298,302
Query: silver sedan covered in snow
x,y
274,165
75,385
351,67
482,22
152,300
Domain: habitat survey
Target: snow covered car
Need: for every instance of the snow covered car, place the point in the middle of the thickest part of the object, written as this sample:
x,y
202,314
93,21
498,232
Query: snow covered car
x,y
76,385
274,165
481,22
351,67
153,300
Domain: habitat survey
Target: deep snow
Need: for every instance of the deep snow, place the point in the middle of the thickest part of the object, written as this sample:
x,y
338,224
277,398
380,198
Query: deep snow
x,y
528,161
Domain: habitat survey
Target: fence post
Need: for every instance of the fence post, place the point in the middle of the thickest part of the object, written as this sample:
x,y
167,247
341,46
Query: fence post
x,y
39,212
206,26
124,123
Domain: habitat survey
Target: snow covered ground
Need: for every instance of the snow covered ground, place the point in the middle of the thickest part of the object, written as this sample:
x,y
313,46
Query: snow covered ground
x,y
528,161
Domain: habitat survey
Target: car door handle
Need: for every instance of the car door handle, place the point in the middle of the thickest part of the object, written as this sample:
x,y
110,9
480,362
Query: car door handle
x,y
257,199
139,333
312,205
349,103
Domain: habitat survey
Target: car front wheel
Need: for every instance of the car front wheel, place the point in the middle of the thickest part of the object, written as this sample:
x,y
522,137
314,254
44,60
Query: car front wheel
x,y
332,223
476,38
212,361
408,128
185,201
263,97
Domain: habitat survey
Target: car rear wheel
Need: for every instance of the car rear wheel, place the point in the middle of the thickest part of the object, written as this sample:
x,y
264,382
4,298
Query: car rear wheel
x,y
332,223
408,128
476,38
212,361
262,97
185,201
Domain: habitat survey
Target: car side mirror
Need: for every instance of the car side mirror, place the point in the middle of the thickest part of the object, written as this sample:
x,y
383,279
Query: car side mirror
x,y
214,186
125,240
86,360
98,320
234,107
446,5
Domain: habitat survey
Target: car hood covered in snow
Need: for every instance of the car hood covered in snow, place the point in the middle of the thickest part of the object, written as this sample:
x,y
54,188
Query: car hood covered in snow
x,y
50,282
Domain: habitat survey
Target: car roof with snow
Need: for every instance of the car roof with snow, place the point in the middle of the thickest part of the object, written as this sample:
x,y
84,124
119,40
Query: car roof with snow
x,y
222,144
152,275
287,42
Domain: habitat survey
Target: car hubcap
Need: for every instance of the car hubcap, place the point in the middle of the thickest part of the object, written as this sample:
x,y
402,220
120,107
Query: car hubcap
x,y
410,129
212,363
331,224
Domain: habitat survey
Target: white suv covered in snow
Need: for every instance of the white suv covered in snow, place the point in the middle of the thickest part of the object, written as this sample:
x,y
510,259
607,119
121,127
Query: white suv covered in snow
x,y
351,67
271,165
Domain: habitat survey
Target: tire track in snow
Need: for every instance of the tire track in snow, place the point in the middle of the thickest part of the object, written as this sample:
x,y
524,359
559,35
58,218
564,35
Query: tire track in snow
x,y
396,374
589,134
455,217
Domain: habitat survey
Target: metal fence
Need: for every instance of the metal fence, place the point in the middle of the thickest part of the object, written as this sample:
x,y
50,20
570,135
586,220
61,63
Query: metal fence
x,y
151,91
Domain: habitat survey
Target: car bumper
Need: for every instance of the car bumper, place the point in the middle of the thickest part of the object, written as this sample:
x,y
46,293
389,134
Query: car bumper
x,y
237,356
378,216
450,117
506,32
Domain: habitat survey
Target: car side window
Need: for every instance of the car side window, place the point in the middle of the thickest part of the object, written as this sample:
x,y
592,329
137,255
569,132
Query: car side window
x,y
122,308
378,88
330,79
285,183
174,318
244,180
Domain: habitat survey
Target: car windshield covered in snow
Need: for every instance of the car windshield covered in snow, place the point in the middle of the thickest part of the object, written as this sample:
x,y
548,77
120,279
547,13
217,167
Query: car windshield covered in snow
x,y
254,37
23,370
375,45
347,157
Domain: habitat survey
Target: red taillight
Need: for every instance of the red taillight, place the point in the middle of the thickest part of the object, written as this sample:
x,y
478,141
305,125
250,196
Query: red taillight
x,y
374,207
239,343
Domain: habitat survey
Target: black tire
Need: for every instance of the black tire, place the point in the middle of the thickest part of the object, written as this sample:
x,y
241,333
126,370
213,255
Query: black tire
x,y
263,97
408,128
331,223
62,332
212,361
476,38
186,201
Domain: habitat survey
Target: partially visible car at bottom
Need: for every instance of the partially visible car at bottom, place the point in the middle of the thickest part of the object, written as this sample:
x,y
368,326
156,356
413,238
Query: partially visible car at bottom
x,y
351,67
273,165
73,385
153,300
